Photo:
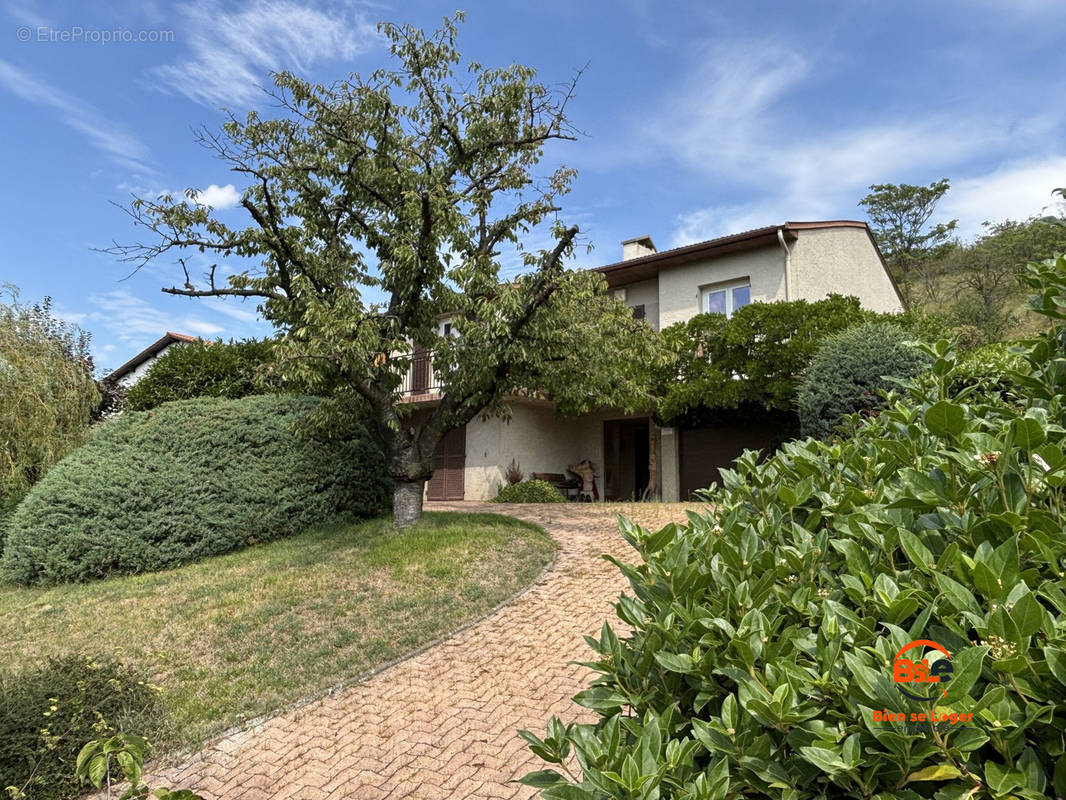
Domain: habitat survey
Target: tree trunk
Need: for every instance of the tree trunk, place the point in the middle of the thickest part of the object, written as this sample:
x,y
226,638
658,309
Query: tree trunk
x,y
407,502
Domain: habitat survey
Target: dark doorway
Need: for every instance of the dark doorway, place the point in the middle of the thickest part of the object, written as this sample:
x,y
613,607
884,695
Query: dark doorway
x,y
449,468
706,450
625,458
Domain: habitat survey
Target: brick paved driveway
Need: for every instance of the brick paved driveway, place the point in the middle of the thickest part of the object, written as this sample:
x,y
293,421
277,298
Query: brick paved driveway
x,y
443,724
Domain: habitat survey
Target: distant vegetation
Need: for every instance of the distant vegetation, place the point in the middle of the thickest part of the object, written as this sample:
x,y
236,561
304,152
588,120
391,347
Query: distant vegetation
x,y
975,285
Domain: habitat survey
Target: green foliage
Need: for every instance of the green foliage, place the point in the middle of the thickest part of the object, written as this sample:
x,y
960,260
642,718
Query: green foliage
x,y
900,219
764,632
850,370
535,491
384,202
47,711
203,369
986,275
769,344
47,393
99,758
190,479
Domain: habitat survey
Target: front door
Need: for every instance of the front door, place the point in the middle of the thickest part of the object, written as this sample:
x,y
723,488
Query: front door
x,y
449,468
626,453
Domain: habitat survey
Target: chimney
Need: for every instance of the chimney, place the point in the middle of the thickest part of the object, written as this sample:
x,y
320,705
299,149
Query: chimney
x,y
635,248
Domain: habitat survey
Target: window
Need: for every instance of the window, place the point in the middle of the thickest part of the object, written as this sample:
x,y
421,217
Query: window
x,y
638,312
725,298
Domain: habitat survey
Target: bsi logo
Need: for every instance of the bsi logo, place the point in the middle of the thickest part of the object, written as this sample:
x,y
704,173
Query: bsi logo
x,y
913,674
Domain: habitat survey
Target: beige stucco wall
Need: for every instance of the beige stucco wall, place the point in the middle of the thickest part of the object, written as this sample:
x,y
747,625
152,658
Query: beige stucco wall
x,y
645,293
679,287
537,439
841,261
534,436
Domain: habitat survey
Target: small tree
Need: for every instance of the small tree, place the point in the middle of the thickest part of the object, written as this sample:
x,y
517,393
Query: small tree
x,y
379,204
47,392
900,216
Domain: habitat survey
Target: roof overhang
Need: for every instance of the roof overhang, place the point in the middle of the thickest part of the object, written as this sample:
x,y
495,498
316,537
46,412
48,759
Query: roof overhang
x,y
150,351
647,267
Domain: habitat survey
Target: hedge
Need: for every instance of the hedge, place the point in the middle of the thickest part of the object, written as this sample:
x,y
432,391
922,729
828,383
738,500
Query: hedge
x,y
49,711
188,480
535,491
202,369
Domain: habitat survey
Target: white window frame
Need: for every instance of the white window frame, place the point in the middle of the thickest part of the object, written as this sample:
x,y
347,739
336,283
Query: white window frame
x,y
725,286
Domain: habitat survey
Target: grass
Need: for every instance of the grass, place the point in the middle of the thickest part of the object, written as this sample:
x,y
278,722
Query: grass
x,y
245,634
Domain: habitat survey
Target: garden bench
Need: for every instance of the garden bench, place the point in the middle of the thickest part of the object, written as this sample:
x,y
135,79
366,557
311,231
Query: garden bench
x,y
568,486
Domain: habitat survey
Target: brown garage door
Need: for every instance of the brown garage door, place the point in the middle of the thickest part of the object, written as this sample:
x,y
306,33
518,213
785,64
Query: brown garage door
x,y
705,450
449,467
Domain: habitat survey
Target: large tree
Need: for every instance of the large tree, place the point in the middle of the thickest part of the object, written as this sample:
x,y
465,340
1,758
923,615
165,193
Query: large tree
x,y
382,204
900,216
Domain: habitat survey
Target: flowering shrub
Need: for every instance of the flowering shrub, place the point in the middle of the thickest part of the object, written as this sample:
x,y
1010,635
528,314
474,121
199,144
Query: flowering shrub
x,y
765,634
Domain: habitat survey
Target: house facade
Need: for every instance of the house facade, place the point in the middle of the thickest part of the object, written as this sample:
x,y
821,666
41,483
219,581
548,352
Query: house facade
x,y
793,261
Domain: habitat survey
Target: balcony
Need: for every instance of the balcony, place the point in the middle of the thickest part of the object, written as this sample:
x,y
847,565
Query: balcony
x,y
420,383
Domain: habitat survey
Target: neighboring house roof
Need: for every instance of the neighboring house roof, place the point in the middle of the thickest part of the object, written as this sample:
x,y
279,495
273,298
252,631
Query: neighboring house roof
x,y
150,352
646,267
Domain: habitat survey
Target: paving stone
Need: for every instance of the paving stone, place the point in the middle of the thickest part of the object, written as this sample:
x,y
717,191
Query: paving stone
x,y
443,724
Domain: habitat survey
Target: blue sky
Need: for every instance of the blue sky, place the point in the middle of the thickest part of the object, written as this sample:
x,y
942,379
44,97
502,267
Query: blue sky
x,y
702,118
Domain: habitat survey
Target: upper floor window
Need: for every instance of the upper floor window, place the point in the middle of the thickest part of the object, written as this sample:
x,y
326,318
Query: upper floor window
x,y
725,298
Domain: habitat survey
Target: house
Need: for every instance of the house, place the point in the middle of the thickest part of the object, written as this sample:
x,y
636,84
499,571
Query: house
x,y
138,366
796,260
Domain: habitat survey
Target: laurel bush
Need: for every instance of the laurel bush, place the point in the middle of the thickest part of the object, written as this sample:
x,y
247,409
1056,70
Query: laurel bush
x,y
190,479
760,637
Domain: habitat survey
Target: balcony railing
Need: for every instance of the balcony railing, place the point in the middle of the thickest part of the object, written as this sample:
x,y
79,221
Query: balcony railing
x,y
420,378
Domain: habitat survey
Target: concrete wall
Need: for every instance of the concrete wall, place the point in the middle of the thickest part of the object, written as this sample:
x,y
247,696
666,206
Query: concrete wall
x,y
538,440
645,293
841,261
679,287
534,436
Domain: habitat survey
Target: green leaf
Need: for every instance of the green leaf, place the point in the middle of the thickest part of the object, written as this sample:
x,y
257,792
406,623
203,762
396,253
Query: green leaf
x,y
676,662
542,778
917,552
967,669
1028,614
945,418
1028,433
938,772
826,760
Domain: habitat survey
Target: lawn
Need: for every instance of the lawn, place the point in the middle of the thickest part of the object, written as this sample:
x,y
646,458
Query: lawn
x,y
245,634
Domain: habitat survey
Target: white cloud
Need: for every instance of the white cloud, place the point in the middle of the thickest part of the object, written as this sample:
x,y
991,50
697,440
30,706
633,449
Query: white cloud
x,y
232,52
218,197
20,11
735,120
136,322
101,132
1016,190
